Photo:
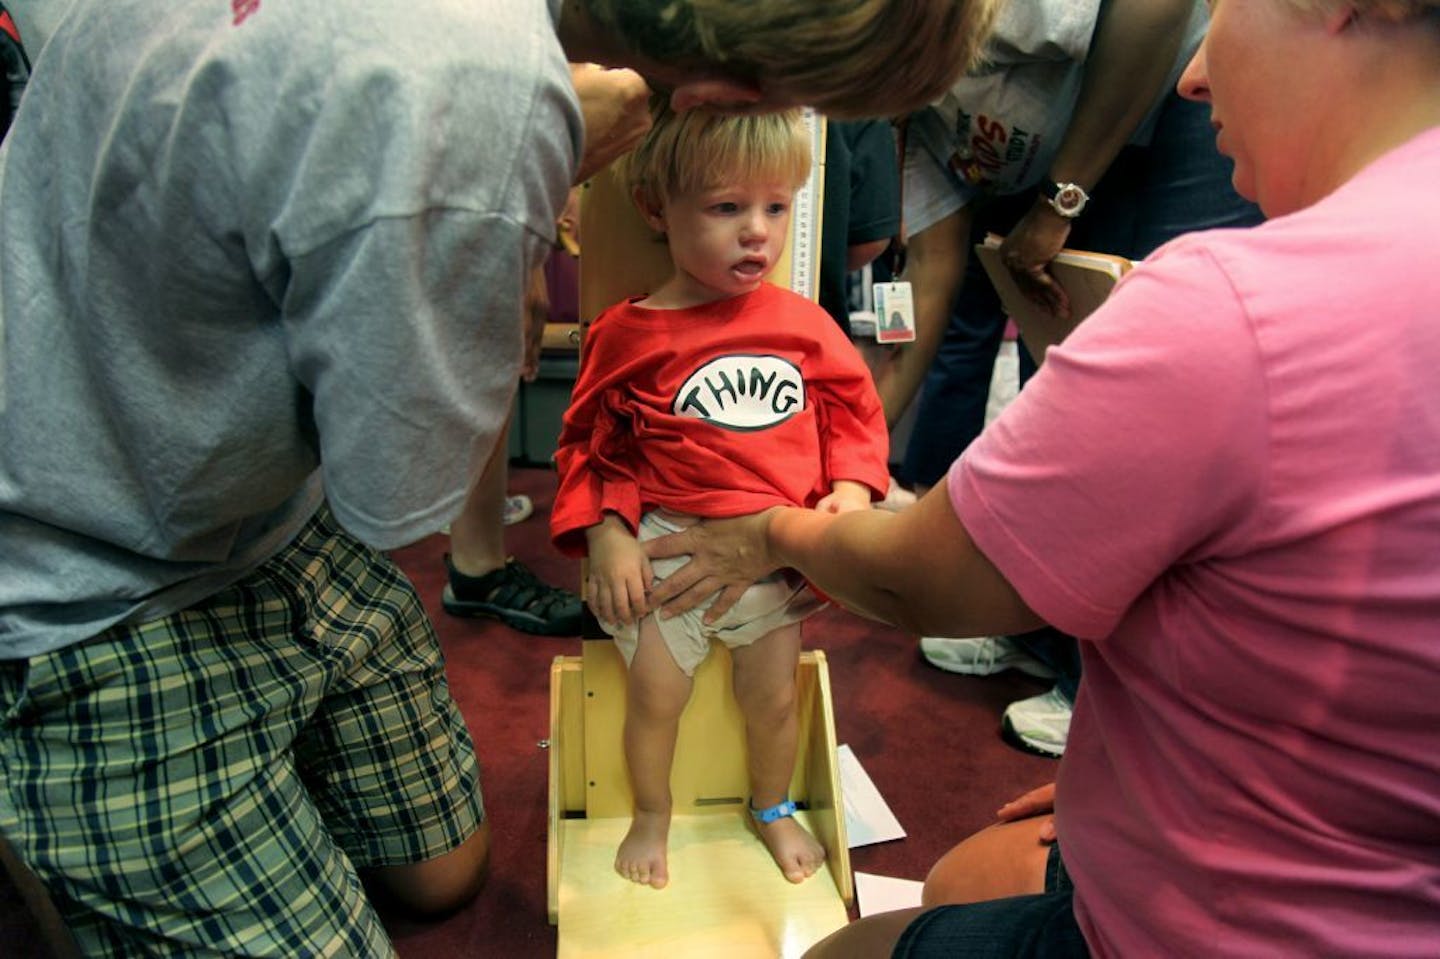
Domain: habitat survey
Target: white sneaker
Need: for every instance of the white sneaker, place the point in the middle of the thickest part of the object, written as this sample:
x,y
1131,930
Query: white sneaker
x,y
1039,724
981,656
517,508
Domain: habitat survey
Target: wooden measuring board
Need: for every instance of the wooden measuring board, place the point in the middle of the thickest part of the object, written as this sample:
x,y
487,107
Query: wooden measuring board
x,y
803,246
726,896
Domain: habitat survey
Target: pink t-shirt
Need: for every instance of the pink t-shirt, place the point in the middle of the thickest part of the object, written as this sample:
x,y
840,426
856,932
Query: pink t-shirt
x,y
1227,483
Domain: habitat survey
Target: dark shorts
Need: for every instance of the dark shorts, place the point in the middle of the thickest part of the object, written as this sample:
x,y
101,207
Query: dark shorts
x,y
209,782
1023,927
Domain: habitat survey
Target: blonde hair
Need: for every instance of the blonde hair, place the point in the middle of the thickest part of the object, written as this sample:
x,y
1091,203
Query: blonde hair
x,y
698,150
846,58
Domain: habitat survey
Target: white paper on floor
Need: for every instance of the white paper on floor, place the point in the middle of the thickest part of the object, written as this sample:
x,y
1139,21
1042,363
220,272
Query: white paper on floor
x,y
868,818
885,893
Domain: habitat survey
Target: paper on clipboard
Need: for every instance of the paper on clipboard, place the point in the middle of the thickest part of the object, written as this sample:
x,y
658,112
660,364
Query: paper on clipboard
x,y
868,818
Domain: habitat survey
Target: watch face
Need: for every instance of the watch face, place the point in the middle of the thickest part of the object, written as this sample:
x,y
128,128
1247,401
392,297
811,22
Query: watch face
x,y
1070,199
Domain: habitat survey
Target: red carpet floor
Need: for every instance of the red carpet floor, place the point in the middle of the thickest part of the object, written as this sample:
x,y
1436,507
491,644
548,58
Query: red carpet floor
x,y
929,739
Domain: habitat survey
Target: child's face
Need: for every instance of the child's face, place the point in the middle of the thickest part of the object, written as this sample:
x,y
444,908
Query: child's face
x,y
725,240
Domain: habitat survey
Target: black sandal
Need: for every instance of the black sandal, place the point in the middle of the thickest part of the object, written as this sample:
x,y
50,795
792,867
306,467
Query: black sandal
x,y
515,596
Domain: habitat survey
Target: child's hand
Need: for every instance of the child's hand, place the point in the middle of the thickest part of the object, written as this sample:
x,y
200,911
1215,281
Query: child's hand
x,y
619,575
845,496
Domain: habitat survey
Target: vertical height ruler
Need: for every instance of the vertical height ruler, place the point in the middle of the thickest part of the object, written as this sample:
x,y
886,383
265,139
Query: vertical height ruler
x,y
805,219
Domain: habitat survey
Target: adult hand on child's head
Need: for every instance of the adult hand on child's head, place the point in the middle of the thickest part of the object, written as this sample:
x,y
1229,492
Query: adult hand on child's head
x,y
616,107
727,556
1036,802
1027,252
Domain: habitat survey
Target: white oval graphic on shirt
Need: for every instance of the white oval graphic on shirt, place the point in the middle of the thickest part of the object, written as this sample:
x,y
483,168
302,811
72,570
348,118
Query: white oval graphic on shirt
x,y
742,392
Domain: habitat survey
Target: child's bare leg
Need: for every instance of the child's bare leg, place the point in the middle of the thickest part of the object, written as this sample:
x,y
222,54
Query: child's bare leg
x,y
656,692
765,690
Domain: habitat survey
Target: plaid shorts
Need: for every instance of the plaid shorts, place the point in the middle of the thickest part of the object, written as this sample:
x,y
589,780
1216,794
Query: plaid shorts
x,y
207,783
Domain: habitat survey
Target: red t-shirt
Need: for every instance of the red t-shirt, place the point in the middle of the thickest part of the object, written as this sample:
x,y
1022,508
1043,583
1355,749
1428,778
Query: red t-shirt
x,y
722,410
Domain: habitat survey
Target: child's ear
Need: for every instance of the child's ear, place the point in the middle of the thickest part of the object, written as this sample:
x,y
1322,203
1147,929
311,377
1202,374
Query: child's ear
x,y
651,210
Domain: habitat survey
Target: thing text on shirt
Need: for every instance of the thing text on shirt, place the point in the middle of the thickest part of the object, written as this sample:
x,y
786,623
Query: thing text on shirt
x,y
742,392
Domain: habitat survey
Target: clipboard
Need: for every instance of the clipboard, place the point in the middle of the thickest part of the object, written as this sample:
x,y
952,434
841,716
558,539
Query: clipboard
x,y
1087,278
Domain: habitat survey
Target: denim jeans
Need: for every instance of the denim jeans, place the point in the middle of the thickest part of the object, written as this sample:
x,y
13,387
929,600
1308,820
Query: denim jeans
x,y
1023,927
1038,927
1058,651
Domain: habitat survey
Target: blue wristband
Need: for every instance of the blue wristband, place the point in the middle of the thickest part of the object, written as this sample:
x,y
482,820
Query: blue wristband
x,y
777,811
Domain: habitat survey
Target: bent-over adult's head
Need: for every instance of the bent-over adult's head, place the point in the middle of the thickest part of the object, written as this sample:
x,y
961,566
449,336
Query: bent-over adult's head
x,y
846,58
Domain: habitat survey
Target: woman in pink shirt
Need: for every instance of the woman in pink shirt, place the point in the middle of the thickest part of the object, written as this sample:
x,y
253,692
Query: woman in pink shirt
x,y
1226,483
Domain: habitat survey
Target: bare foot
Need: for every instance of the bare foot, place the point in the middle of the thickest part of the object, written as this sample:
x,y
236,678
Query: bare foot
x,y
641,857
796,852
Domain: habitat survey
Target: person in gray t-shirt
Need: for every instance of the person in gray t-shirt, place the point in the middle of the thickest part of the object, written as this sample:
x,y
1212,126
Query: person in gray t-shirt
x,y
261,267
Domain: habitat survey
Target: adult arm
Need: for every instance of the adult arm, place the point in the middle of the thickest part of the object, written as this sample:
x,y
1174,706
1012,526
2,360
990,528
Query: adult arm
x,y
1171,425
536,315
857,255
874,192
937,257
1134,51
866,561
616,105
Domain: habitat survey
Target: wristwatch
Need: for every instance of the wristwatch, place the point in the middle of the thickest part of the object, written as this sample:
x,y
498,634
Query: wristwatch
x,y
1066,199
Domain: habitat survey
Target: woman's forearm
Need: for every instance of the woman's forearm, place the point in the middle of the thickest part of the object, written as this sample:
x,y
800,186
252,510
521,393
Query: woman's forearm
x,y
825,548
917,569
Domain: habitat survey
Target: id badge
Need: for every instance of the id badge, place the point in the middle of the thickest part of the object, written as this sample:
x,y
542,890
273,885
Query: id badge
x,y
894,313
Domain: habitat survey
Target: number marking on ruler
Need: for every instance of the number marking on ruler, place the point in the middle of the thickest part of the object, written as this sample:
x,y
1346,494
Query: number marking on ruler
x,y
805,219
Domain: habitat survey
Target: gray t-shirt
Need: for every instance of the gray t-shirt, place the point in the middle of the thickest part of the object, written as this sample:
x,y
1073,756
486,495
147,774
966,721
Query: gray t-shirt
x,y
255,254
998,128
35,20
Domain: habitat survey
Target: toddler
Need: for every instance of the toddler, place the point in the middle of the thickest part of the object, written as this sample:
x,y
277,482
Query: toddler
x,y
718,394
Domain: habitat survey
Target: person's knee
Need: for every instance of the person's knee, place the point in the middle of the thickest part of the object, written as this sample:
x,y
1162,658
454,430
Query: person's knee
x,y
766,704
1006,859
437,886
653,702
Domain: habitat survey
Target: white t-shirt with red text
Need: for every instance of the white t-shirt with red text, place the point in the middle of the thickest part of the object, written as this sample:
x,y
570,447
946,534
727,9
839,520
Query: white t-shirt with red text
x,y
998,128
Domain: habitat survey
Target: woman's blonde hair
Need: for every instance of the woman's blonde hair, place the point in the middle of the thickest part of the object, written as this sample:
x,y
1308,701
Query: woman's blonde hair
x,y
846,58
698,150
